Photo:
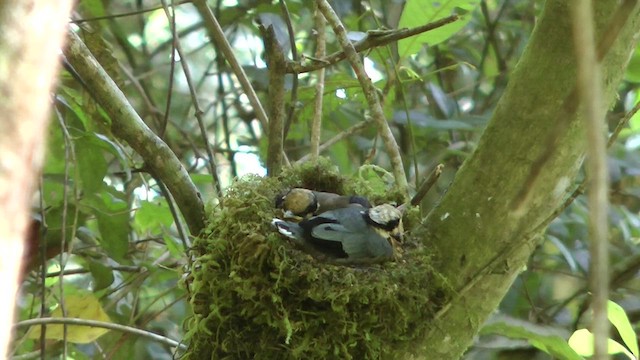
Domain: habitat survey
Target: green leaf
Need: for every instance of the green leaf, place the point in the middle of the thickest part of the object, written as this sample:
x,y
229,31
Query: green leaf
x,y
633,69
420,12
102,275
376,177
545,338
620,320
582,342
152,216
173,245
112,215
92,165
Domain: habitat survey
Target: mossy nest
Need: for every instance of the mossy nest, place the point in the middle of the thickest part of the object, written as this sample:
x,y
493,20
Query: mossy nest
x,y
255,296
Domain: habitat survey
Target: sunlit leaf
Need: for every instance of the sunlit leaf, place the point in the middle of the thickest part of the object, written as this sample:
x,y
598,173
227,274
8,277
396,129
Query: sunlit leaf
x,y
82,306
582,342
153,216
420,12
619,319
545,338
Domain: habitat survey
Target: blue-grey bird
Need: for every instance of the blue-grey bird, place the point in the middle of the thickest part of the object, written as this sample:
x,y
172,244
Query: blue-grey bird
x,y
301,203
349,235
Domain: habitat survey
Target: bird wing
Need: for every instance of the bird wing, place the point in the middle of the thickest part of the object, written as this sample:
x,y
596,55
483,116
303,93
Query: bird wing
x,y
354,244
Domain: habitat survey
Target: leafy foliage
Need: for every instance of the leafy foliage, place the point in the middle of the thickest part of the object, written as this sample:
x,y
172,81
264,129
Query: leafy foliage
x,y
110,227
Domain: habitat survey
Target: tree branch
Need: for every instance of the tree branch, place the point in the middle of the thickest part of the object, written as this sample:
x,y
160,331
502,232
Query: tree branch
x,y
589,89
391,146
276,65
374,38
217,34
127,125
481,244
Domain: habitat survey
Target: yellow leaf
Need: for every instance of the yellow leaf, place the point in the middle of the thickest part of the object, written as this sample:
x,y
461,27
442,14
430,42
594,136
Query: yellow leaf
x,y
81,306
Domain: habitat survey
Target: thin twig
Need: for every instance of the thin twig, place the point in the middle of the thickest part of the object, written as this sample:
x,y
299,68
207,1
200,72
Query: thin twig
x,y
321,49
101,324
427,184
373,39
622,123
217,34
293,99
213,168
391,146
171,16
131,13
589,89
343,135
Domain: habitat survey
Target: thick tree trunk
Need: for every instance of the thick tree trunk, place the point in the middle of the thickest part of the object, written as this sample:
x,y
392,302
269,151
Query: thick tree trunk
x,y
31,35
484,230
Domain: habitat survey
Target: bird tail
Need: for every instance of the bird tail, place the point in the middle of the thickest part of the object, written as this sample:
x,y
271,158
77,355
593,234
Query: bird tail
x,y
288,229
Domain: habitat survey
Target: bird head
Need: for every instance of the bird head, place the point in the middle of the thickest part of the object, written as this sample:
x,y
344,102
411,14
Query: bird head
x,y
387,218
297,203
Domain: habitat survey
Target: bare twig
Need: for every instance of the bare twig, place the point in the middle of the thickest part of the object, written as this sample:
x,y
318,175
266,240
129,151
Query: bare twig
x,y
131,13
343,135
374,39
371,95
427,184
101,324
213,168
217,34
622,123
171,16
291,111
589,89
321,49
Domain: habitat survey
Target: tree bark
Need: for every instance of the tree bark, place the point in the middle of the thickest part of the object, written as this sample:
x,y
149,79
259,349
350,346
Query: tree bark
x,y
481,236
31,36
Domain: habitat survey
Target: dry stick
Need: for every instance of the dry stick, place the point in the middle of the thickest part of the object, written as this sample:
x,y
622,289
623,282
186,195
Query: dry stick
x,y
370,93
427,184
343,135
589,89
126,124
217,34
373,39
213,167
291,109
276,64
172,68
321,49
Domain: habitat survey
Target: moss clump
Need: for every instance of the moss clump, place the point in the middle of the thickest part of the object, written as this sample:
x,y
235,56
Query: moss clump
x,y
257,297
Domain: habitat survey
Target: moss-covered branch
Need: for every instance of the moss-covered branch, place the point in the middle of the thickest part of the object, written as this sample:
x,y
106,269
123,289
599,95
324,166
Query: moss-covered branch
x,y
127,125
481,242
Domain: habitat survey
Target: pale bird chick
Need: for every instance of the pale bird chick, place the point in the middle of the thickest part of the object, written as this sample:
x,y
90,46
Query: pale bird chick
x,y
300,203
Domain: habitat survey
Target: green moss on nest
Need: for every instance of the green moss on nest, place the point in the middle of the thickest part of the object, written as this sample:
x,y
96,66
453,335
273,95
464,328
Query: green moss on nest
x,y
255,296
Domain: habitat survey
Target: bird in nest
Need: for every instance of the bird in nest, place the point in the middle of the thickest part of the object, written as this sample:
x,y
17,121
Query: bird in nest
x,y
349,235
299,203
